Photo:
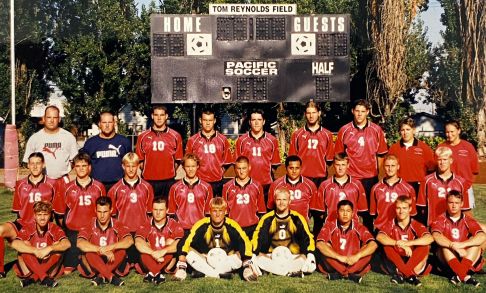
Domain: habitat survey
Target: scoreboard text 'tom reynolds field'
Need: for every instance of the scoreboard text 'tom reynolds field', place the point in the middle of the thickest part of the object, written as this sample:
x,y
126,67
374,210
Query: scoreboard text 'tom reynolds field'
x,y
249,53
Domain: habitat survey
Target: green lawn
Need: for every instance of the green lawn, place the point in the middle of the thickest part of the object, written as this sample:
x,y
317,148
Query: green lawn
x,y
372,282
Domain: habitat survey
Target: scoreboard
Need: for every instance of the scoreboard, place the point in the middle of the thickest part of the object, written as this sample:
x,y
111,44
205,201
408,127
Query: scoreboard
x,y
249,55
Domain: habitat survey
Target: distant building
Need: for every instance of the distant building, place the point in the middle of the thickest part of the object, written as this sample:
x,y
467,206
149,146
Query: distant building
x,y
428,124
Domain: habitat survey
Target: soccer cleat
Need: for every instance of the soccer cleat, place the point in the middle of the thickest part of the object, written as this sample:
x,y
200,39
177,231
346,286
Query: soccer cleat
x,y
197,274
159,279
298,274
3,275
455,280
48,282
355,278
473,282
226,276
414,281
97,281
26,282
397,279
148,278
334,276
116,281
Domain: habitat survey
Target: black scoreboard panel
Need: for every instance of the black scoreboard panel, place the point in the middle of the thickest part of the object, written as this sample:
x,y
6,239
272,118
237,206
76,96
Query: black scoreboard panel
x,y
249,58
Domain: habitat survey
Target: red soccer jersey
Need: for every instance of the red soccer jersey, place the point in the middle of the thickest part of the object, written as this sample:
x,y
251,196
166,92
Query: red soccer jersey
x,y
263,153
465,161
362,146
345,242
414,230
132,203
414,160
331,192
382,200
111,235
302,194
29,233
213,152
244,202
314,148
26,194
159,150
465,228
188,202
77,203
158,237
432,194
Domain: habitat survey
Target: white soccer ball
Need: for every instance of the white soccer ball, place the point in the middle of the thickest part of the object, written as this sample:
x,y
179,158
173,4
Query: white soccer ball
x,y
281,255
216,257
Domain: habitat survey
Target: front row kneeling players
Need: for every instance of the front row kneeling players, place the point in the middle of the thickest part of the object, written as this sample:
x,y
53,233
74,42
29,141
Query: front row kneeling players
x,y
216,247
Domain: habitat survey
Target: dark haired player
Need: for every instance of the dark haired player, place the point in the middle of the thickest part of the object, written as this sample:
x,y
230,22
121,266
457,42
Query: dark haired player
x,y
213,150
160,151
345,246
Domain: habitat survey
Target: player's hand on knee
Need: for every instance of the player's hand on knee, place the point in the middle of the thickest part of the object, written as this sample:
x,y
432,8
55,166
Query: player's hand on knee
x,y
249,271
181,273
309,264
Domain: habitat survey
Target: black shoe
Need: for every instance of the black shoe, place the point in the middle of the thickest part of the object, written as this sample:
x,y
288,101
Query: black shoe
x,y
473,282
97,281
26,282
226,276
159,279
334,276
298,274
148,278
455,280
116,281
3,275
197,274
414,281
355,278
48,282
397,279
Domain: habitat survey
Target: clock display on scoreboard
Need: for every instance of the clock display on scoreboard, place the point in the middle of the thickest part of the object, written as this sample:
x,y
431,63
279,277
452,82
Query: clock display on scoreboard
x,y
249,58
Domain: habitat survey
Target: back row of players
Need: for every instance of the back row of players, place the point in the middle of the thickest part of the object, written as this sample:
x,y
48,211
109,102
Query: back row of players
x,y
361,140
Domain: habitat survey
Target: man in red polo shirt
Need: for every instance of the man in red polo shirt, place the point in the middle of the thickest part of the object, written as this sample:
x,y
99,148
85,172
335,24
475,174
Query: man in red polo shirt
x,y
406,243
160,150
364,143
104,242
302,190
313,144
261,148
157,243
415,156
75,205
344,246
385,192
244,197
189,197
213,149
339,187
459,237
29,190
40,244
431,200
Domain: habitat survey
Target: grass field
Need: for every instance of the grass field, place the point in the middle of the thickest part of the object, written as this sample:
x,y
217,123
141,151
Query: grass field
x,y
372,282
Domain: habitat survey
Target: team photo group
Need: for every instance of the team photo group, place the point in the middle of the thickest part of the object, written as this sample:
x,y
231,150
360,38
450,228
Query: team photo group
x,y
122,210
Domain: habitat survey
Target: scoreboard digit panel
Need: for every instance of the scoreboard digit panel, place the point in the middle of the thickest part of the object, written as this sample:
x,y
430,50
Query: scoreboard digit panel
x,y
249,58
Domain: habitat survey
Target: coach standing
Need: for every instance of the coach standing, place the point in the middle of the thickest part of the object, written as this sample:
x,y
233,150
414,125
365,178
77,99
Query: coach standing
x,y
107,150
56,144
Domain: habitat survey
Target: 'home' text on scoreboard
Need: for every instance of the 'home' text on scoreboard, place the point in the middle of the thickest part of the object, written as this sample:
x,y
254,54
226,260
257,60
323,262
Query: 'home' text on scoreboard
x,y
249,53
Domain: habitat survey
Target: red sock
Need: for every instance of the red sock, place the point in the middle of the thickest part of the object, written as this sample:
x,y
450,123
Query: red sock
x,y
458,268
2,255
99,265
419,253
397,260
333,265
153,266
361,267
466,265
32,263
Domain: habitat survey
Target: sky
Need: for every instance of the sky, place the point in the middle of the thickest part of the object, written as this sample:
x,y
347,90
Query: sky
x,y
431,19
